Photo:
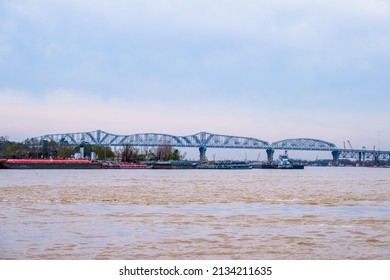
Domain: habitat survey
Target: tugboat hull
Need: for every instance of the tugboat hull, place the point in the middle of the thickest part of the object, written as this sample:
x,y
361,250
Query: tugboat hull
x,y
275,166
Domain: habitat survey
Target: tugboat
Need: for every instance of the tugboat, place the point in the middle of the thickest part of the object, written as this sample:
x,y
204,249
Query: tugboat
x,y
282,163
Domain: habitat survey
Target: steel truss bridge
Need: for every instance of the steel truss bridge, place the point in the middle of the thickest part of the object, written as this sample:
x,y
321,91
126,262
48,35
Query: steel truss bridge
x,y
204,140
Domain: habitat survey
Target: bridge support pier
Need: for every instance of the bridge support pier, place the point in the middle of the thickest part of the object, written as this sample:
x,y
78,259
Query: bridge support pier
x,y
270,154
376,158
202,152
336,156
362,158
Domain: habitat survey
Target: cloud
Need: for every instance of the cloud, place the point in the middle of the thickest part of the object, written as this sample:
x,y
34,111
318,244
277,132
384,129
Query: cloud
x,y
267,69
66,111
312,32
273,18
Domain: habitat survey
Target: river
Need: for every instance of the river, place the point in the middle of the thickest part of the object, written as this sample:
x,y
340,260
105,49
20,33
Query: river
x,y
316,213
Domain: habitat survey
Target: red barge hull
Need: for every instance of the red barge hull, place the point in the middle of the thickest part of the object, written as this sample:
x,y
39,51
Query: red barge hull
x,y
49,164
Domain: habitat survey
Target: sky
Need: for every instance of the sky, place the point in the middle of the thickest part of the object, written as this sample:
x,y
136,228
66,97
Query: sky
x,y
267,69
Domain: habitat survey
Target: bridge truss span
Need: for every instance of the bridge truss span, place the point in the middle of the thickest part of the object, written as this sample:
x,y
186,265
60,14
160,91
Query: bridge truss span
x,y
201,139
363,155
306,144
204,140
225,141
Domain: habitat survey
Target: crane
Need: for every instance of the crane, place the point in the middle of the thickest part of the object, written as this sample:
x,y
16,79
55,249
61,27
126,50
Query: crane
x,y
349,144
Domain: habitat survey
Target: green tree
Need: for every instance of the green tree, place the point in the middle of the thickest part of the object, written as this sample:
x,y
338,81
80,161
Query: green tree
x,y
4,144
175,155
16,150
64,149
104,153
65,152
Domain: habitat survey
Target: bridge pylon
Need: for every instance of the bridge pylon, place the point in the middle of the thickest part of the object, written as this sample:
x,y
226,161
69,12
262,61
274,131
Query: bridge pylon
x,y
362,157
202,152
336,156
270,154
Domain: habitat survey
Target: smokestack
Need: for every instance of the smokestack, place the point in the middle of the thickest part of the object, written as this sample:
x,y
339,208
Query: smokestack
x,y
82,152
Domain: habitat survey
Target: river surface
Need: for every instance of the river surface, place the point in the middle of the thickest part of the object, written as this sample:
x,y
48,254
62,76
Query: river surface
x,y
315,213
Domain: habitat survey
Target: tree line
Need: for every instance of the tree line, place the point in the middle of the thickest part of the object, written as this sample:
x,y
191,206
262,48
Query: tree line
x,y
31,149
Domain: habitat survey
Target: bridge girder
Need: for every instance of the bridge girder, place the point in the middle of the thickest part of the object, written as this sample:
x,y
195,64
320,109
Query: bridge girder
x,y
205,140
364,154
304,144
202,139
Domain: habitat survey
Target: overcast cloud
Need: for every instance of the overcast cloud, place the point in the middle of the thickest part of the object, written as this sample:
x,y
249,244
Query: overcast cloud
x,y
266,69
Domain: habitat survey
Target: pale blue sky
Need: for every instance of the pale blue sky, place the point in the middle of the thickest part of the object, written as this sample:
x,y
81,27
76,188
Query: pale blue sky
x,y
266,69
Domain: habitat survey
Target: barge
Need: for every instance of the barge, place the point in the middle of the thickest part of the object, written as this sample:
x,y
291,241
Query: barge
x,y
119,165
226,165
49,164
174,164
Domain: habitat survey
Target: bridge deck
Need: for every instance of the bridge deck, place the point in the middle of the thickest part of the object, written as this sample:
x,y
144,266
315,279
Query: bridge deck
x,y
205,140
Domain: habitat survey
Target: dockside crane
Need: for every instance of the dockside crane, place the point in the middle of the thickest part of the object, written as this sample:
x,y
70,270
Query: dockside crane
x,y
349,145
